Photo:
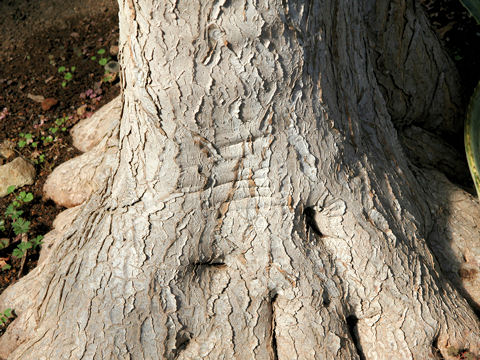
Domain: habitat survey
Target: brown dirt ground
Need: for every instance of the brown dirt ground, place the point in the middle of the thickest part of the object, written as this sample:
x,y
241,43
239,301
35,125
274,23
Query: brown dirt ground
x,y
36,38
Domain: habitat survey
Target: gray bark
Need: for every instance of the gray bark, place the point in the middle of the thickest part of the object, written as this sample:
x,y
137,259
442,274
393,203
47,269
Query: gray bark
x,y
261,205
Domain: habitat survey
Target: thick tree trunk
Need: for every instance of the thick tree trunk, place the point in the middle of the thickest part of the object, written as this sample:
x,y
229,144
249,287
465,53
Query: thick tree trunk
x,y
261,205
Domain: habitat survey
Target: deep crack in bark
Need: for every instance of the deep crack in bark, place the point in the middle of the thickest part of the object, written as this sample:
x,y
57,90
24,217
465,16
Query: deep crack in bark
x,y
352,329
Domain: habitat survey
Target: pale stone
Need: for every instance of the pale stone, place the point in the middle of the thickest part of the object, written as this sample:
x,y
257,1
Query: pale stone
x,y
89,132
6,149
72,182
18,172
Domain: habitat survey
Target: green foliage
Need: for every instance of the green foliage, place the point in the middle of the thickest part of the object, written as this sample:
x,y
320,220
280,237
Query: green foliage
x,y
13,212
47,139
40,159
20,226
103,58
4,243
67,74
22,248
5,315
472,137
25,139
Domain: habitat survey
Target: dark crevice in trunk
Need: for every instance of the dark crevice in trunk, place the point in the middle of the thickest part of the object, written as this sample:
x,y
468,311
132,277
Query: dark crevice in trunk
x,y
435,350
352,321
326,299
181,342
273,326
309,214
217,264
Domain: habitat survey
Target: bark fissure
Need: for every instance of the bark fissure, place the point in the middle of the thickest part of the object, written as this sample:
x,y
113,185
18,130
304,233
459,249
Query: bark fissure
x,y
353,331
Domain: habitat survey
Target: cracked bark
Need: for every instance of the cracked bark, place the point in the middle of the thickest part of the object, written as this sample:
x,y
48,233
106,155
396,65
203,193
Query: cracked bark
x,y
260,200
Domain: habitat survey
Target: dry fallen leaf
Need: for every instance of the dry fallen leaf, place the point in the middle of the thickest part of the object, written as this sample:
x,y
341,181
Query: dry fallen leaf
x,y
37,98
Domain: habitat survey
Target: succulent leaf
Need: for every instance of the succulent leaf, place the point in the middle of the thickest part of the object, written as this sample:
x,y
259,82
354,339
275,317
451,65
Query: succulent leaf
x,y
472,137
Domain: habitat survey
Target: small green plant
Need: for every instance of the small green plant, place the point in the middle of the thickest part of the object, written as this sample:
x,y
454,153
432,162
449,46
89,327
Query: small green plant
x,y
47,139
103,59
19,225
39,159
5,315
6,267
22,248
25,139
4,243
59,122
67,74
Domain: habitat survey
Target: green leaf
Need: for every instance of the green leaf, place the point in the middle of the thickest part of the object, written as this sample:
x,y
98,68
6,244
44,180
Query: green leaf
x,y
101,51
8,312
17,253
10,189
73,68
28,197
21,226
6,267
61,69
37,241
473,7
2,228
25,245
103,61
34,144
13,212
22,143
53,130
64,83
93,58
4,243
68,76
472,137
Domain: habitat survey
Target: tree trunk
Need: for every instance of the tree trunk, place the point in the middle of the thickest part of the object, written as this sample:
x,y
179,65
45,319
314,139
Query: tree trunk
x,y
261,206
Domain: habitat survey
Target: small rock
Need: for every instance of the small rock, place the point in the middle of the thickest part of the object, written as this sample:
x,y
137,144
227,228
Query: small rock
x,y
112,66
82,110
89,132
75,35
72,182
6,149
48,103
37,98
18,172
114,50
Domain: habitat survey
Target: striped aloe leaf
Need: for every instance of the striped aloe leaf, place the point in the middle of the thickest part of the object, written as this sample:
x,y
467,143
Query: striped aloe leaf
x,y
472,137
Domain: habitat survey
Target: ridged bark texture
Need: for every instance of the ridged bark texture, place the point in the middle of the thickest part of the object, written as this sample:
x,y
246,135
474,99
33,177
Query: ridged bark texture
x,y
261,207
